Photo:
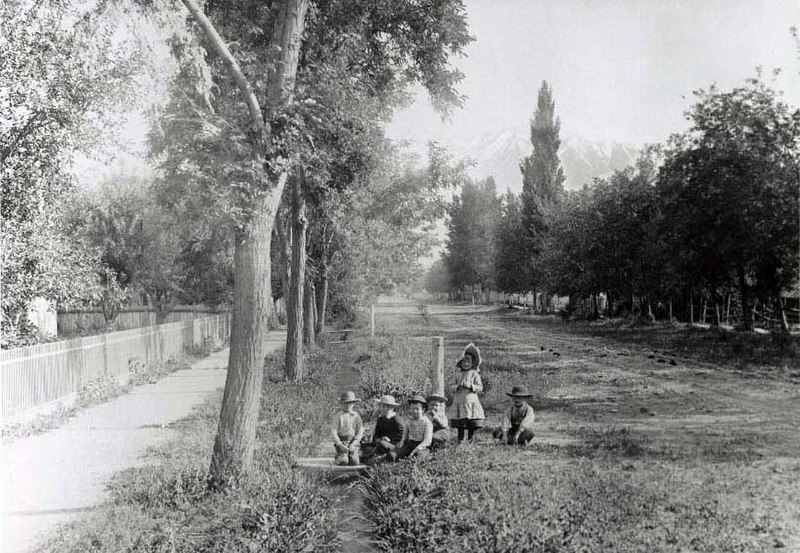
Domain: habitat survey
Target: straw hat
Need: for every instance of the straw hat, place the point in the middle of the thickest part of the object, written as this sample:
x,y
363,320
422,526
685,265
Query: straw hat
x,y
349,397
519,391
418,399
436,397
388,400
473,350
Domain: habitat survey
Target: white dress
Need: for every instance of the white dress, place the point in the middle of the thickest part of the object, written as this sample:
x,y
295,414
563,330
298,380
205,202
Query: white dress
x,y
466,404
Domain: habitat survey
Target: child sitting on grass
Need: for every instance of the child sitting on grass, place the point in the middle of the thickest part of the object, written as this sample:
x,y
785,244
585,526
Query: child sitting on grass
x,y
388,433
466,411
518,419
348,429
436,412
418,433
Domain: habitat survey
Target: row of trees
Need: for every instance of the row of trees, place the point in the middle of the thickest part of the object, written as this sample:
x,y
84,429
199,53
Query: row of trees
x,y
272,170
712,214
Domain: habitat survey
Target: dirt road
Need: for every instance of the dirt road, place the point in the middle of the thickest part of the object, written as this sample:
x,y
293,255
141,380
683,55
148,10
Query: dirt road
x,y
677,402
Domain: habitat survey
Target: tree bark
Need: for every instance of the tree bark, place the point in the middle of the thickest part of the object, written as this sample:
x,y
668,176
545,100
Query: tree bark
x,y
285,244
308,314
322,299
252,293
235,441
294,307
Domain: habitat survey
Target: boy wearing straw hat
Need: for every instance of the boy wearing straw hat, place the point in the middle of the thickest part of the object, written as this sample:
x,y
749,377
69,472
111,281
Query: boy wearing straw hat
x,y
388,433
348,429
518,419
436,413
418,433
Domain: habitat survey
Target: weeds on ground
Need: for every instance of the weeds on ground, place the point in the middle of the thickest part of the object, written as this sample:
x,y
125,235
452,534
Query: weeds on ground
x,y
490,499
168,506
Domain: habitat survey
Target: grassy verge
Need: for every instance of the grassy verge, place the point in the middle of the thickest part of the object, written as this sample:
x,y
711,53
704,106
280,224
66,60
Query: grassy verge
x,y
166,506
495,499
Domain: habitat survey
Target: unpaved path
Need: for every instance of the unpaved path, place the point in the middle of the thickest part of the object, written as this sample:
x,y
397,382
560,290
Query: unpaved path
x,y
52,478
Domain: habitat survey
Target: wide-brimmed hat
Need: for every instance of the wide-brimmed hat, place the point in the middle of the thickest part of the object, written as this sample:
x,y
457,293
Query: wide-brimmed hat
x,y
436,397
473,350
348,397
388,400
418,399
519,391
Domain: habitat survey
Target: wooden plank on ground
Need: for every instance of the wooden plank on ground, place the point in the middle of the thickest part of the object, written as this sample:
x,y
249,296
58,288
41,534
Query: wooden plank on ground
x,y
328,464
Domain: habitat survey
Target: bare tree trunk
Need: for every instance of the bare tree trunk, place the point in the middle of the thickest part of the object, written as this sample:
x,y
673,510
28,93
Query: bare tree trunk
x,y
252,293
780,310
322,298
308,314
747,312
728,311
294,308
285,243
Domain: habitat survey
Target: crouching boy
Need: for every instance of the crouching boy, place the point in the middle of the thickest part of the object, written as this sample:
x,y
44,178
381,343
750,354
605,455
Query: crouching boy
x,y
348,429
418,433
436,413
518,420
388,433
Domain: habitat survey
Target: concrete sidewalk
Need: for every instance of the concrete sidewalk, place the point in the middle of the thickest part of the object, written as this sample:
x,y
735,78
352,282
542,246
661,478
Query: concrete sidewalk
x,y
54,477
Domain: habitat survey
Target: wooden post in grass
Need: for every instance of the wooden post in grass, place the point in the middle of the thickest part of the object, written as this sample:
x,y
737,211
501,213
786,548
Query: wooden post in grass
x,y
372,320
437,366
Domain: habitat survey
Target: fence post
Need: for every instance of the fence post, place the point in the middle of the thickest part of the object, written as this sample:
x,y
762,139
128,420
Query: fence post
x,y
437,366
372,320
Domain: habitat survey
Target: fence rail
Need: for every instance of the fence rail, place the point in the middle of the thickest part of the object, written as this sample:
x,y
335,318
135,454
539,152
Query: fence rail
x,y
74,321
36,377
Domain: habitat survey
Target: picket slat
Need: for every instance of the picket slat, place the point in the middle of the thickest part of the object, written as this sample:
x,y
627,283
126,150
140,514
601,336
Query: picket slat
x,y
35,376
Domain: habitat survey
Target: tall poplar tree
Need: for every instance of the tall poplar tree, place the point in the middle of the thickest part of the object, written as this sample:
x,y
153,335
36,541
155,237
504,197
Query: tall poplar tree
x,y
542,183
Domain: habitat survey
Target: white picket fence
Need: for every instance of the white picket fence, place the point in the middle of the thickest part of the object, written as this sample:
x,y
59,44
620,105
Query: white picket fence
x,y
36,377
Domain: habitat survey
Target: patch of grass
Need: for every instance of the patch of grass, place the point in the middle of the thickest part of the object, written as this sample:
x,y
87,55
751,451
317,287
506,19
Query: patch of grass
x,y
500,499
168,506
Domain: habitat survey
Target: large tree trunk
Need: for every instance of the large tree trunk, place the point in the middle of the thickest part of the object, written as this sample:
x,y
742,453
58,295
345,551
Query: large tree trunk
x,y
322,298
235,441
744,289
294,308
252,293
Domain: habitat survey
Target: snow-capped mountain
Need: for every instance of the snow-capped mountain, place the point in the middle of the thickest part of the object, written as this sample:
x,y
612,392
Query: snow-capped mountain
x,y
499,154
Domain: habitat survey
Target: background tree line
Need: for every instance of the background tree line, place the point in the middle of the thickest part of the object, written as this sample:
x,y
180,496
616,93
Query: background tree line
x,y
710,218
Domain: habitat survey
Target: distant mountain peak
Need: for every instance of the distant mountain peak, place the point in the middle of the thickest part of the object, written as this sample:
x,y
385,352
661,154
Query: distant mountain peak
x,y
499,153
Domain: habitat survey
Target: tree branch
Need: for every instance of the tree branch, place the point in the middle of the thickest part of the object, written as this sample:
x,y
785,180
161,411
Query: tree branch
x,y
221,48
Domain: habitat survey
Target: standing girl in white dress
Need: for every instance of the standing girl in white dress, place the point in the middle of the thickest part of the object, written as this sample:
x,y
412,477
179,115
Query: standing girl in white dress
x,y
466,412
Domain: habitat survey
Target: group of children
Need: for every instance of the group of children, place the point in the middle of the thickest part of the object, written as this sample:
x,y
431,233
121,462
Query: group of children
x,y
427,427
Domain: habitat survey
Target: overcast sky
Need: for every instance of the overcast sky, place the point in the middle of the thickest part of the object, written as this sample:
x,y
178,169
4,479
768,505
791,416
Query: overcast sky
x,y
621,70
